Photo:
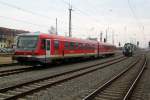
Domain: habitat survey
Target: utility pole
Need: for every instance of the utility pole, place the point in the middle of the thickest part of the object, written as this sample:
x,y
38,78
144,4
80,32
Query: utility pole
x,y
56,27
106,36
119,44
113,40
101,36
70,28
107,29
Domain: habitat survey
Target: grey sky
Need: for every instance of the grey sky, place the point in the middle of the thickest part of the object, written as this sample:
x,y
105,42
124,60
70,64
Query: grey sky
x,y
128,19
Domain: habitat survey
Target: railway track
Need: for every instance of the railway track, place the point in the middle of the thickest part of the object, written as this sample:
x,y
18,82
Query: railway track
x,y
122,85
5,65
23,89
14,71
30,68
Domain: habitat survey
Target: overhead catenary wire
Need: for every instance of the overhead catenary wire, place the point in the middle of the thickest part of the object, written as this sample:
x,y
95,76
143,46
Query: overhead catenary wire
x,y
30,12
82,12
139,23
26,10
78,11
22,21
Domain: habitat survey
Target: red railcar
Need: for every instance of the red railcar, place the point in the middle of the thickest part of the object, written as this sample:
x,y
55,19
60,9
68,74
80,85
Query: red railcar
x,y
45,48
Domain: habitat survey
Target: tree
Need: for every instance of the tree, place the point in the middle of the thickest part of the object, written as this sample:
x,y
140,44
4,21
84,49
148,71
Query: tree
x,y
52,30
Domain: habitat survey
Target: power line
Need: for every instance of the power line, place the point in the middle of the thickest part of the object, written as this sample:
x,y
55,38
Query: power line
x,y
22,21
25,10
140,24
83,12
134,15
73,8
96,20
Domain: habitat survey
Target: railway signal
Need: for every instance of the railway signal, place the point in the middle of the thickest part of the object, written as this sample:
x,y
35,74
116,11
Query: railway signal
x,y
119,44
104,39
137,43
101,36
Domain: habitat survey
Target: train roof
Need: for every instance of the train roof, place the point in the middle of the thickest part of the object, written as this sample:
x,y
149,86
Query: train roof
x,y
57,37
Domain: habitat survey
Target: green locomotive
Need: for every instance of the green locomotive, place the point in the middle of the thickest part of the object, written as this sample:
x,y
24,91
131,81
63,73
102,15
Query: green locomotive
x,y
128,49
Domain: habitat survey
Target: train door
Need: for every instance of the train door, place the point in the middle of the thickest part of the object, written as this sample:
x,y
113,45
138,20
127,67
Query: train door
x,y
47,55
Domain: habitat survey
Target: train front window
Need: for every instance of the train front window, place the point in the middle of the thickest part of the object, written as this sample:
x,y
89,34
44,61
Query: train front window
x,y
27,42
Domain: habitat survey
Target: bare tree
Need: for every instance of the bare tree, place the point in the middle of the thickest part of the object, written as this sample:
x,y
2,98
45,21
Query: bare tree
x,y
52,30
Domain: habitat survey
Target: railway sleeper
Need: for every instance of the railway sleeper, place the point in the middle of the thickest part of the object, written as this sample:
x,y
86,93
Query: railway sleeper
x,y
107,97
27,88
13,92
21,89
113,91
2,95
111,94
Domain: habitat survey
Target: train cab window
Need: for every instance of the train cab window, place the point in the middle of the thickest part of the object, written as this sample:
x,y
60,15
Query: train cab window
x,y
66,45
56,44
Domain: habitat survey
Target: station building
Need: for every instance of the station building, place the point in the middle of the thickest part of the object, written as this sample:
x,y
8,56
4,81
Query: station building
x,y
7,36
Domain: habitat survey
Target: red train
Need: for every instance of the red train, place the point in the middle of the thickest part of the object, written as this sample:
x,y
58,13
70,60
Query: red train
x,y
46,48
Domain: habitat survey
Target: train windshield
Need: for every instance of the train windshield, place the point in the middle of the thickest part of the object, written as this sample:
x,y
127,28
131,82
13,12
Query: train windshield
x,y
127,46
27,42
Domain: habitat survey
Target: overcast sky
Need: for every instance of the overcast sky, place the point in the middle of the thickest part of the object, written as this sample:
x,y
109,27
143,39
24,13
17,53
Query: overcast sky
x,y
129,20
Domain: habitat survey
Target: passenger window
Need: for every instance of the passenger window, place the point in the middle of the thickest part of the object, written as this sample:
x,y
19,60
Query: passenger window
x,y
43,44
82,46
77,45
87,46
56,44
66,45
71,45
93,47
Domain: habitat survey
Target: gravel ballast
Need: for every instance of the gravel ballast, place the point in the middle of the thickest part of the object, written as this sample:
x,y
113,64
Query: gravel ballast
x,y
142,90
40,73
79,87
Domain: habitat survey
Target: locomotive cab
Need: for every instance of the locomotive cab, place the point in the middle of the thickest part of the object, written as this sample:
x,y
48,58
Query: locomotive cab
x,y
32,49
128,49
